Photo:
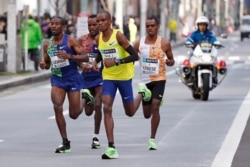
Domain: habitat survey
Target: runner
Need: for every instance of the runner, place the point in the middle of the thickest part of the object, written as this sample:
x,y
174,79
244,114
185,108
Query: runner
x,y
154,52
62,53
92,79
118,57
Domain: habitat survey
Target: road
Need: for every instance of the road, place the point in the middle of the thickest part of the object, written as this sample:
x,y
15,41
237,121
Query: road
x,y
191,132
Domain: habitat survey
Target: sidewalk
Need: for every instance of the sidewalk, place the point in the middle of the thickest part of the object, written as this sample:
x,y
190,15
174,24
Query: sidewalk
x,y
11,80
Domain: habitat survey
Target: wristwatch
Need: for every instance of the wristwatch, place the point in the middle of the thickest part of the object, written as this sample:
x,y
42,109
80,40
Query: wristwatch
x,y
117,62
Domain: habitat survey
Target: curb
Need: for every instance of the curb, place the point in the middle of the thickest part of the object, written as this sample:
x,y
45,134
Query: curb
x,y
29,79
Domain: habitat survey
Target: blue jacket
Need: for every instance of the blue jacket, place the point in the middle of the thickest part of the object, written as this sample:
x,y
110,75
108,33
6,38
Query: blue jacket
x,y
197,37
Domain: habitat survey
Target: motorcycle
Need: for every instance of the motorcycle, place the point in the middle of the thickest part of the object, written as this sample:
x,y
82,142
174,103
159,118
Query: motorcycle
x,y
203,70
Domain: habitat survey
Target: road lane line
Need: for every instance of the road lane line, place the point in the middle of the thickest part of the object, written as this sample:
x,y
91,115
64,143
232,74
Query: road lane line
x,y
1,141
66,112
229,147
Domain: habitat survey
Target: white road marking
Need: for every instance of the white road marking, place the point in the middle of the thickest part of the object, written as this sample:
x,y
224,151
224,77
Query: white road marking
x,y
66,112
227,151
1,141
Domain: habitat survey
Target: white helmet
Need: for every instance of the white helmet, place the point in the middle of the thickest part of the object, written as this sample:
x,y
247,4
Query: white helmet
x,y
202,19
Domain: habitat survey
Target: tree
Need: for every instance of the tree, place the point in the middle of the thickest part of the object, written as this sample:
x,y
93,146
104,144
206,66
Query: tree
x,y
57,5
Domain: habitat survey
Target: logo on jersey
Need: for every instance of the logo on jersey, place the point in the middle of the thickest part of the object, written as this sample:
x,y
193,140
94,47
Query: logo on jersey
x,y
112,43
61,47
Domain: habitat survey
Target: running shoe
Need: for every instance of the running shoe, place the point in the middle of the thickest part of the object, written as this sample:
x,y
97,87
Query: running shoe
x,y
110,153
146,93
152,145
64,147
88,96
161,103
95,143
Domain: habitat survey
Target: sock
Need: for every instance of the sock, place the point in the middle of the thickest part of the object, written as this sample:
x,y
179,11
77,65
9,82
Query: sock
x,y
95,136
65,140
111,144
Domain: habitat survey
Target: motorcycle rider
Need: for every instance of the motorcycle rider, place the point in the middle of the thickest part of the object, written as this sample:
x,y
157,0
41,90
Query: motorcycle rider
x,y
202,34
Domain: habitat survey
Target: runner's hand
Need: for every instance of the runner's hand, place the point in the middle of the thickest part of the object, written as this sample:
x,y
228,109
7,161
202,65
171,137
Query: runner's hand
x,y
85,67
95,66
62,54
109,62
43,65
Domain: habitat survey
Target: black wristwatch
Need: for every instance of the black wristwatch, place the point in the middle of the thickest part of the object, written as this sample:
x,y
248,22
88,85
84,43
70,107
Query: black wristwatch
x,y
117,62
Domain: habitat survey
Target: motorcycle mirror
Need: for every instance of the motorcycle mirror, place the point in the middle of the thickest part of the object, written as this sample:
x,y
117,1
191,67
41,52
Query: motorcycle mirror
x,y
189,45
218,46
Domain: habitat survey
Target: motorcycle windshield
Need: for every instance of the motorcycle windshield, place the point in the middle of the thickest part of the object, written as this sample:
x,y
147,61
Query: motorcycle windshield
x,y
206,47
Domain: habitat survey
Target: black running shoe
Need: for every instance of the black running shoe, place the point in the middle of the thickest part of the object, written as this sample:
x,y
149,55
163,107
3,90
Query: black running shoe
x,y
64,147
95,143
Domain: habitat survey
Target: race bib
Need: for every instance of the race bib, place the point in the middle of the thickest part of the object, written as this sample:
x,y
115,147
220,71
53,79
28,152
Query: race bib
x,y
109,53
58,62
92,57
149,66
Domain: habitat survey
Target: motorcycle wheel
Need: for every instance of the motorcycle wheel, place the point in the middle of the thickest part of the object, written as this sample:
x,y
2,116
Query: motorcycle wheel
x,y
205,89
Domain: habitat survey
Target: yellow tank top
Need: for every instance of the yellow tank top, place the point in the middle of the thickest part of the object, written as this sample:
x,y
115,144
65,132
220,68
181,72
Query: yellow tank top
x,y
112,49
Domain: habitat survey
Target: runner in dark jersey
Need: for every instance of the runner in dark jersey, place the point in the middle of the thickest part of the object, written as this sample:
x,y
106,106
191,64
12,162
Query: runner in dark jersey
x,y
62,54
92,87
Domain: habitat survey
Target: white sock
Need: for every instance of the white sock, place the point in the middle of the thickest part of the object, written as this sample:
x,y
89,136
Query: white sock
x,y
95,135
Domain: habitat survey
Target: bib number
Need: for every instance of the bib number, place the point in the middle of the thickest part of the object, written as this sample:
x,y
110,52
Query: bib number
x,y
150,66
109,53
58,62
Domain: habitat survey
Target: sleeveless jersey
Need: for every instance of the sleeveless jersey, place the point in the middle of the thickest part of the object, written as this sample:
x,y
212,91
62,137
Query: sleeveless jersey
x,y
112,49
152,61
90,48
61,67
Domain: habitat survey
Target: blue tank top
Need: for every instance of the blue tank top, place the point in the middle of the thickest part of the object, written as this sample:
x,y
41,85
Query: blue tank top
x,y
61,67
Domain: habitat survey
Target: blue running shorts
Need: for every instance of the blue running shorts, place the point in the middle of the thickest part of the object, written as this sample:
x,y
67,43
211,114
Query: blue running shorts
x,y
69,84
92,82
125,88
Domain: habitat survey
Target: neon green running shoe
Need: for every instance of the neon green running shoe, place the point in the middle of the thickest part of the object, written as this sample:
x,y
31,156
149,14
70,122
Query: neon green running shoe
x,y
110,153
161,103
146,93
152,145
88,96
63,148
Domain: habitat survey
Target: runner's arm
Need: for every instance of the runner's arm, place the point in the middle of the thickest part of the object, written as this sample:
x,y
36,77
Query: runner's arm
x,y
80,54
45,63
166,47
133,56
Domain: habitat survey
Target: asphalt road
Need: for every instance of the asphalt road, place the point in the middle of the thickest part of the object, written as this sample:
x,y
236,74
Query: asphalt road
x,y
192,133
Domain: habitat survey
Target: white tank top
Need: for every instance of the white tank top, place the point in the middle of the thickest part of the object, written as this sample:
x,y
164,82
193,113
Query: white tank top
x,y
152,61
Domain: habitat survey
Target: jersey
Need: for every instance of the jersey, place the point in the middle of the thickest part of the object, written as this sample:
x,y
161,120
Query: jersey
x,y
112,49
91,49
61,67
152,61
